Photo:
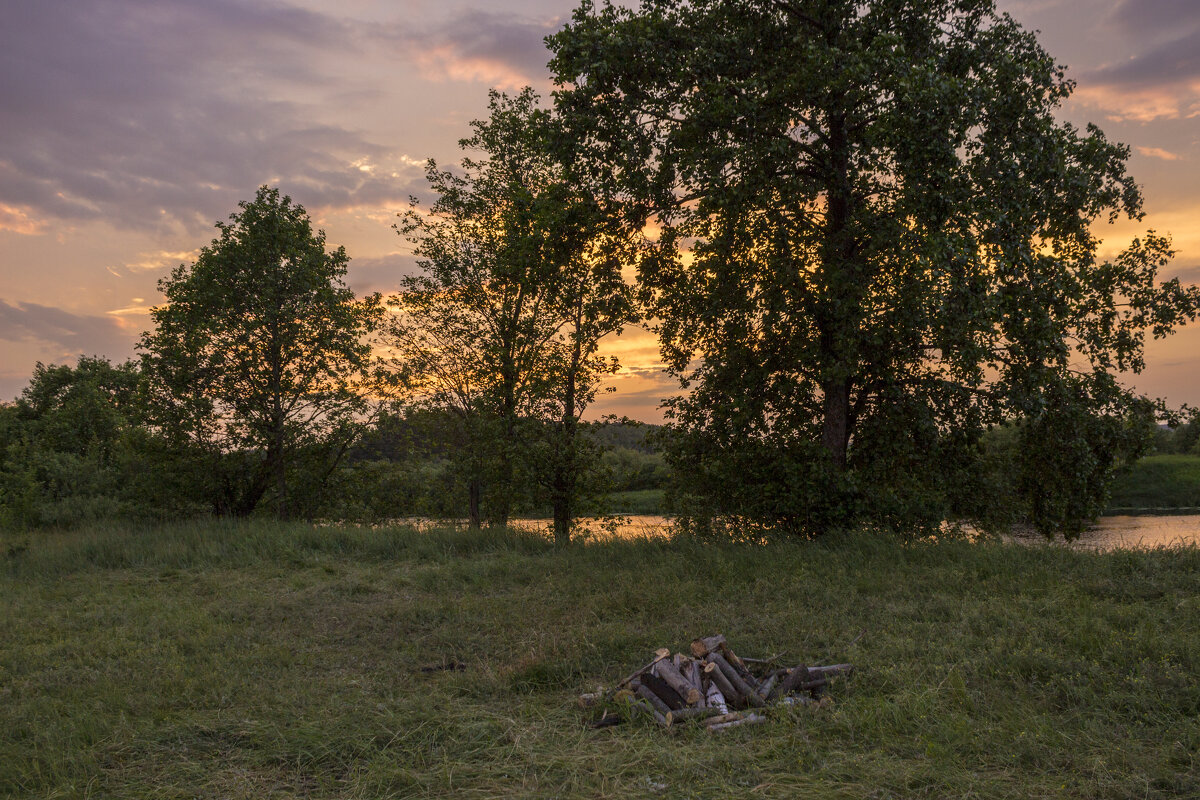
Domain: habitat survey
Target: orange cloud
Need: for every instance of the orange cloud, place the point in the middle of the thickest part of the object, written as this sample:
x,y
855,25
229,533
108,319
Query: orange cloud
x,y
1144,104
1158,152
442,63
162,259
18,220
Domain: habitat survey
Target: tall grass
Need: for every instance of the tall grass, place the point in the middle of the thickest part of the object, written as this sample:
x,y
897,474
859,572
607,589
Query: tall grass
x,y
267,659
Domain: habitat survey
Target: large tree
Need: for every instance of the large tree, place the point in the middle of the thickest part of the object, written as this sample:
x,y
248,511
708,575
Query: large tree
x,y
890,234
259,358
521,279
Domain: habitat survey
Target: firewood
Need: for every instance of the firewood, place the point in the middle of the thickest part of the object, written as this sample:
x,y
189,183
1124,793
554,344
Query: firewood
x,y
764,688
659,655
715,698
666,670
698,713
718,679
791,682
734,661
749,719
663,690
744,689
693,677
702,647
833,669
642,707
650,697
732,716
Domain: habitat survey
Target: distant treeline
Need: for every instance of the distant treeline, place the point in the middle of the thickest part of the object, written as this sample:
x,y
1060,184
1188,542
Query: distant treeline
x,y
75,448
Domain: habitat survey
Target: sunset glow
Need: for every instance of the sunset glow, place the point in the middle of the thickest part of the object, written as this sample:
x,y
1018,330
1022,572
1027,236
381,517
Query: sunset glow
x,y
127,134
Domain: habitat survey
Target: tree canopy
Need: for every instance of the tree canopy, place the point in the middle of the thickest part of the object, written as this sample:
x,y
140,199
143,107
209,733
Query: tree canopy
x,y
875,241
259,356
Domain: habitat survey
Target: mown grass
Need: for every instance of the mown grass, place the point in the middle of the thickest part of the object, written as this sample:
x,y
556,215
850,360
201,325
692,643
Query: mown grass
x,y
1158,483
271,660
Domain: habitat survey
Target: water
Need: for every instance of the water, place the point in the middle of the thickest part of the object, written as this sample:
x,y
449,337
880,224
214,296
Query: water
x,y
1112,533
1109,533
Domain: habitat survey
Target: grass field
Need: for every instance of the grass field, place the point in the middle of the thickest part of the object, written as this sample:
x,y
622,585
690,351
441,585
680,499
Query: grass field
x,y
1159,483
271,660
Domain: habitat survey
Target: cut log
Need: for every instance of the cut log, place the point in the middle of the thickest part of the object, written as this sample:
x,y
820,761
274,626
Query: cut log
x,y
832,669
692,673
749,719
764,688
686,714
715,698
659,655
791,682
663,690
666,670
702,647
739,683
727,652
642,707
718,679
650,697
732,716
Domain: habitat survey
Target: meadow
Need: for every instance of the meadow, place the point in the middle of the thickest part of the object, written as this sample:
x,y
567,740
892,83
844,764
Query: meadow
x,y
281,660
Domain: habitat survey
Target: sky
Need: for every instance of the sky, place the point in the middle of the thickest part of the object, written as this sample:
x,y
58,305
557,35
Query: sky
x,y
128,127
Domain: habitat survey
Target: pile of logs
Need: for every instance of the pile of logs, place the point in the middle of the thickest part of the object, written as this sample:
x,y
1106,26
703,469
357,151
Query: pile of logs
x,y
711,686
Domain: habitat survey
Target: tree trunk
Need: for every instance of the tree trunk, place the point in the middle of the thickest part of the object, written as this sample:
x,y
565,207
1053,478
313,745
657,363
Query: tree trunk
x,y
840,322
567,468
474,496
835,429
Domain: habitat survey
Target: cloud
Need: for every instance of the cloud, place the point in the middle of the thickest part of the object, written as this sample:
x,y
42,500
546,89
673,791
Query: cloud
x,y
69,334
1162,82
505,51
1154,17
158,115
1158,152
19,220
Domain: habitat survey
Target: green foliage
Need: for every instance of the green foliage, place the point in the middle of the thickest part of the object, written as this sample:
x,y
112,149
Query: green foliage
x,y
259,360
890,248
72,451
1159,483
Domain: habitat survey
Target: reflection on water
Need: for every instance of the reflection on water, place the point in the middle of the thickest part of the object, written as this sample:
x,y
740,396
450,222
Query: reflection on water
x,y
1143,531
1108,534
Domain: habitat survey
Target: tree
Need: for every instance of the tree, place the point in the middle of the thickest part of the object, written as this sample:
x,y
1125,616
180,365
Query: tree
x,y
259,358
520,282
890,241
69,444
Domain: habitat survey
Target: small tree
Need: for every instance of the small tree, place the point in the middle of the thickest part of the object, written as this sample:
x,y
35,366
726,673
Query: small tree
x,y
521,281
67,443
260,355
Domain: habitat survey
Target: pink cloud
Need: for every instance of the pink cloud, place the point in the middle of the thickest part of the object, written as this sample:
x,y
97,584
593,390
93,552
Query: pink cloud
x,y
1158,152
19,220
